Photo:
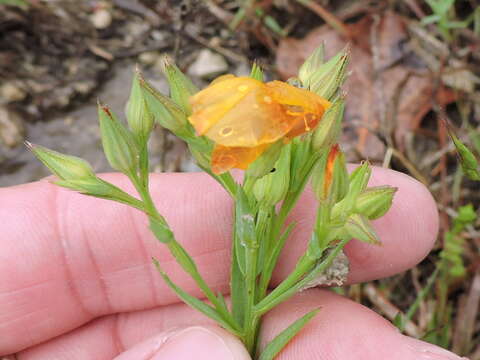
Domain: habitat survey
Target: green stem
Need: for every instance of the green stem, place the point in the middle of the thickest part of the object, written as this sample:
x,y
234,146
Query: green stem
x,y
288,204
276,297
251,322
176,248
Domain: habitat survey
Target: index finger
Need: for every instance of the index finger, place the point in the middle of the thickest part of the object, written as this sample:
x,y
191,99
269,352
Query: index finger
x,y
66,258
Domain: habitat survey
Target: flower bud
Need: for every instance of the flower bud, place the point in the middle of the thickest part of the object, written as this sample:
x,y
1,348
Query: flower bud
x,y
360,228
328,77
118,143
181,87
265,162
165,111
66,167
139,117
256,72
272,188
330,177
328,130
311,65
374,202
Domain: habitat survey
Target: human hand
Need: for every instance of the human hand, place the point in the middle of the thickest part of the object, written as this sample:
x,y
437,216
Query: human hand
x,y
77,282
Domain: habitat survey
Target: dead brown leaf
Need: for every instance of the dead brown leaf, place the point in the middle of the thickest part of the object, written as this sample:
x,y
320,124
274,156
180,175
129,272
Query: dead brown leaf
x,y
389,92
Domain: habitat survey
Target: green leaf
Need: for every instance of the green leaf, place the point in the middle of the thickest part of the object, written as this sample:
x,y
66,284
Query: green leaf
x,y
23,4
360,228
281,340
161,230
237,290
457,24
430,19
193,301
476,21
470,165
183,258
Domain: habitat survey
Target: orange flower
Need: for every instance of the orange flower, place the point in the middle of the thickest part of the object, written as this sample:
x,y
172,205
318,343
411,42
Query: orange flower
x,y
243,116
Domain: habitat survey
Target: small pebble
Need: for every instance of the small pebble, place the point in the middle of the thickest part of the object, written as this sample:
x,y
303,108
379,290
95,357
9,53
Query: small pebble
x,y
208,64
12,131
101,18
10,92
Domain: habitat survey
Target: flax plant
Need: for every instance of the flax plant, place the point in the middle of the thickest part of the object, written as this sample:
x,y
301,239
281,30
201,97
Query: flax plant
x,y
285,136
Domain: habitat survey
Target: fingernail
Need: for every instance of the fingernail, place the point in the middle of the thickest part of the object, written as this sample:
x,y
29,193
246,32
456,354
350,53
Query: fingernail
x,y
425,351
194,342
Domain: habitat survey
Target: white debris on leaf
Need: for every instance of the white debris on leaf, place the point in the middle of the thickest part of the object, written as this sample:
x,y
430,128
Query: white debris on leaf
x,y
335,275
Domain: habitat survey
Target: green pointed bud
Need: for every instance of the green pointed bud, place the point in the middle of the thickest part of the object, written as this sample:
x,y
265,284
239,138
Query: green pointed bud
x,y
329,77
328,130
330,176
256,72
359,178
118,142
165,111
272,188
360,228
139,117
469,162
374,202
66,167
358,183
311,65
181,87
265,162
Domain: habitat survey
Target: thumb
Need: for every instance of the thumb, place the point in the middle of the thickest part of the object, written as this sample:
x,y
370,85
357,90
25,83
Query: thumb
x,y
208,342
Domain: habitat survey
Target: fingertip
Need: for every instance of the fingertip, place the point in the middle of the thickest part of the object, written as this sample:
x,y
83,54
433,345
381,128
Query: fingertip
x,y
201,342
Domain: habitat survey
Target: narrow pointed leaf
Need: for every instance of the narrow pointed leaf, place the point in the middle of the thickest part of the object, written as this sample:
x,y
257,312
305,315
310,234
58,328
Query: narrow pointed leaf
x,y
192,301
281,340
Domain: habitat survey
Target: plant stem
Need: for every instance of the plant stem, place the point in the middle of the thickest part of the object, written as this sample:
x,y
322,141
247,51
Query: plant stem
x,y
176,249
287,206
276,297
250,322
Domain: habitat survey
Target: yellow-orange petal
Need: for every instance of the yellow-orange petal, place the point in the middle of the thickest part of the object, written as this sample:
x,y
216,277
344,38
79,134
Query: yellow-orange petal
x,y
287,94
226,158
210,105
239,112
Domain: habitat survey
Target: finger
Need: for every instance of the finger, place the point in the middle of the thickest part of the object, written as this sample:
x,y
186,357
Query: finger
x,y
67,258
341,330
204,343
